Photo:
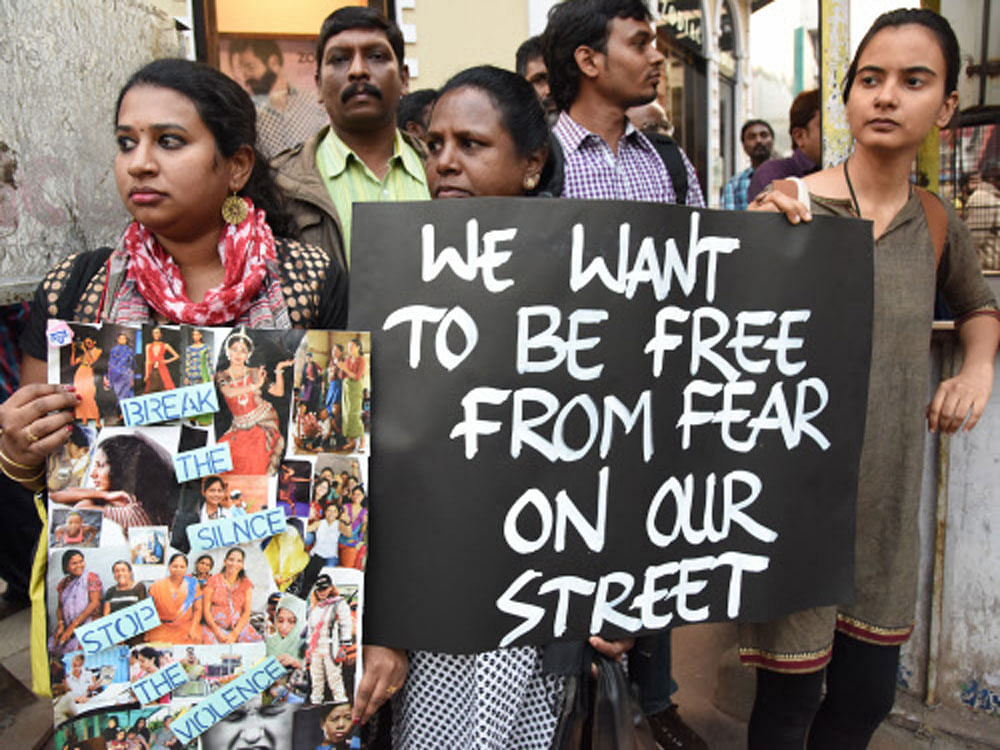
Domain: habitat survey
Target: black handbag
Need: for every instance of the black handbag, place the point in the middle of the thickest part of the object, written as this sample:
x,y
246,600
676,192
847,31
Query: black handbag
x,y
602,712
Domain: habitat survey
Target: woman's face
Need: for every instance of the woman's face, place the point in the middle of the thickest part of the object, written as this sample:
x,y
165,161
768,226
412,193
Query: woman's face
x,y
203,567
470,152
330,513
353,349
122,339
321,489
238,353
214,494
123,576
196,336
284,621
169,173
233,563
75,565
157,334
178,567
898,93
89,343
147,664
100,471
338,723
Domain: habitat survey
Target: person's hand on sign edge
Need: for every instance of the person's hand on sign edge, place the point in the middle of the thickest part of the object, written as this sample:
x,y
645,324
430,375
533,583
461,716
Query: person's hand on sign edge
x,y
966,394
385,672
774,201
34,423
611,649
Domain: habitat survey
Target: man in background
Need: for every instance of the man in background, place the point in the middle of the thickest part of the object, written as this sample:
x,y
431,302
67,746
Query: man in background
x,y
602,59
982,216
530,65
415,112
651,119
757,138
286,116
805,129
360,155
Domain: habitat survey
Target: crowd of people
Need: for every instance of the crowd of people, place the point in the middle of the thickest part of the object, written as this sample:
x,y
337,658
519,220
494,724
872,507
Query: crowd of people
x,y
187,158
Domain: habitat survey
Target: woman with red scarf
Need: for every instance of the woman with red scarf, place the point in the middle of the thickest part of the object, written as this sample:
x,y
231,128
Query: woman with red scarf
x,y
208,246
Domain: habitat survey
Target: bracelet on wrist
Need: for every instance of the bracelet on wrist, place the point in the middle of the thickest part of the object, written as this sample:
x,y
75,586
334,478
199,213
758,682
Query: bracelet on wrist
x,y
29,482
8,460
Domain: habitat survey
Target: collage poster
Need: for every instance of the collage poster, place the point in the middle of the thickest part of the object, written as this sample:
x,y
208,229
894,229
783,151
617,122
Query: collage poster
x,y
208,524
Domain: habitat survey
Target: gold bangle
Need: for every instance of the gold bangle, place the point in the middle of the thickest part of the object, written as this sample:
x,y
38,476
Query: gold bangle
x,y
16,478
22,480
12,462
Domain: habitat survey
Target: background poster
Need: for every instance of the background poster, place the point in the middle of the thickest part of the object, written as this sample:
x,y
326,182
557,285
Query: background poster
x,y
608,417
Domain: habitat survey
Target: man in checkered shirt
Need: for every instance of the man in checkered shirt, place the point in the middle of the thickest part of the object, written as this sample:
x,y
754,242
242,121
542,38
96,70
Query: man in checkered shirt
x,y
602,59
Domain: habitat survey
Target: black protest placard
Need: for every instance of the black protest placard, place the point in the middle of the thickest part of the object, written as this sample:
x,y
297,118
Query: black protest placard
x,y
607,417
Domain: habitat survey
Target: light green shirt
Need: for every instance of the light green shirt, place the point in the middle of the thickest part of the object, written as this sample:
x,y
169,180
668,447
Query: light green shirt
x,y
349,180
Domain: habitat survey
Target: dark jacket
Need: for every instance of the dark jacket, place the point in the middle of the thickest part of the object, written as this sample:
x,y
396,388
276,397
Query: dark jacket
x,y
307,198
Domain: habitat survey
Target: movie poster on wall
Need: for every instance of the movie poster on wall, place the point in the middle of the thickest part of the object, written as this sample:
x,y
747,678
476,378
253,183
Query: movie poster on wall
x,y
280,76
208,523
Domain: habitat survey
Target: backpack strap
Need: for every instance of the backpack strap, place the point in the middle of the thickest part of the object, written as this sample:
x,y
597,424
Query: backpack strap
x,y
670,154
937,221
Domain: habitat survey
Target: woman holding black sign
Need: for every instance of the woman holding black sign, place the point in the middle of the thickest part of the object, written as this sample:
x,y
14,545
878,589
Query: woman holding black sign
x,y
900,85
487,137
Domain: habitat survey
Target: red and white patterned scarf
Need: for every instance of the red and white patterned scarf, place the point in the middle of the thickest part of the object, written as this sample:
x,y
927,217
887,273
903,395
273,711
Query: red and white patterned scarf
x,y
246,250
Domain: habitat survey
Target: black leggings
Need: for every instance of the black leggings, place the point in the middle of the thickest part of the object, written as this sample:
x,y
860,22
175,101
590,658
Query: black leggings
x,y
860,690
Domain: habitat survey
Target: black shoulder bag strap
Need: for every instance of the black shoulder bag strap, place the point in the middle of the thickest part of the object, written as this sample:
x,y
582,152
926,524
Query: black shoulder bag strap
x,y
670,153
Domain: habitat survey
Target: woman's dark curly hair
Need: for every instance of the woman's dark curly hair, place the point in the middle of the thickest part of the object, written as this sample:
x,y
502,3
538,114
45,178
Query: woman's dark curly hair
x,y
229,113
144,470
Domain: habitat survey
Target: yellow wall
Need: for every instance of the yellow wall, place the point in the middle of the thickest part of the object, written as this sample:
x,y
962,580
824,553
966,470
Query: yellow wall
x,y
455,35
277,18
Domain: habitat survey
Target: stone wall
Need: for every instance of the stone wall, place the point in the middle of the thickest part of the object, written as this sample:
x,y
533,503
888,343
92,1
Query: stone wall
x,y
63,62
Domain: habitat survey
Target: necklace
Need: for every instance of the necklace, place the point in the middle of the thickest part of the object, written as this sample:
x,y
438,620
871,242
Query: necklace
x,y
244,398
854,198
850,187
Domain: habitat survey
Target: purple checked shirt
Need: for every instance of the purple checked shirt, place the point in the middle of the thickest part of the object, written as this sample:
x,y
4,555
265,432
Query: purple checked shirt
x,y
637,173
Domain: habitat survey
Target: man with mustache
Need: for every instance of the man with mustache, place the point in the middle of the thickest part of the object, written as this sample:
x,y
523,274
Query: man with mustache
x,y
286,116
757,138
806,132
602,59
360,155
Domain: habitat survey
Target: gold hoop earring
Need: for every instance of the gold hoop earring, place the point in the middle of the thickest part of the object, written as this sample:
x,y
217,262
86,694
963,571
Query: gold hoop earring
x,y
234,209
530,181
